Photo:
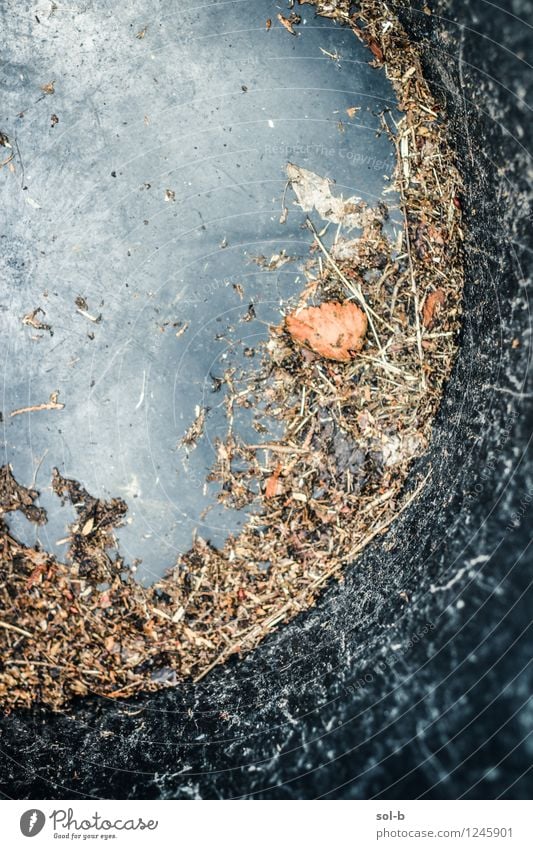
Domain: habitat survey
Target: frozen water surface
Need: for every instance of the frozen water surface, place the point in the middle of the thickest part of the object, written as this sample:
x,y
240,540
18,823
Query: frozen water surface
x,y
159,178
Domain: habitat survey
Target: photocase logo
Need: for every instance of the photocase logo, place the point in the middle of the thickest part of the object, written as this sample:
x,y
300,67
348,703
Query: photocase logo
x,y
32,822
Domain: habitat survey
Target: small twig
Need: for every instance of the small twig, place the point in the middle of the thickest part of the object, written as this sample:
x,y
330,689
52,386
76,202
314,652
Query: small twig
x,y
122,690
388,366
397,139
52,666
52,404
96,319
18,630
281,449
429,336
414,290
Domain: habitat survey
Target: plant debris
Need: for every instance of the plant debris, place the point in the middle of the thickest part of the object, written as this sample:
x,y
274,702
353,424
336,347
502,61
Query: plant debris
x,y
82,308
196,430
276,261
314,193
51,404
32,320
15,497
331,481
335,331
432,306
290,22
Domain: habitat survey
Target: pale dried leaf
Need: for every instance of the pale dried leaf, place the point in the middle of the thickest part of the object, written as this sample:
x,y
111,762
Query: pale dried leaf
x,y
314,193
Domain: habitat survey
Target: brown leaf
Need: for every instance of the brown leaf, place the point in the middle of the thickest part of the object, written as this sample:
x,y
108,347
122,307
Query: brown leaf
x,y
35,575
333,330
273,485
290,22
432,306
376,49
370,41
48,88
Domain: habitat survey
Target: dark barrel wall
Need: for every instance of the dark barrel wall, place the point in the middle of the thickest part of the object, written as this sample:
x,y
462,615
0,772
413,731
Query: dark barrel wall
x,y
367,694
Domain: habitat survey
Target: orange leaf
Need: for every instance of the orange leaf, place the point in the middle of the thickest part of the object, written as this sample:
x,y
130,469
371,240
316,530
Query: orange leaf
x,y
333,330
376,49
273,486
433,304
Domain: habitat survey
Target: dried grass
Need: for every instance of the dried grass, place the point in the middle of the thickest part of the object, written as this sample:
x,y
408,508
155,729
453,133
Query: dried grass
x,y
333,483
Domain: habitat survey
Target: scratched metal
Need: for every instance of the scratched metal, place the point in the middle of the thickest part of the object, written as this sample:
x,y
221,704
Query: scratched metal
x,y
159,178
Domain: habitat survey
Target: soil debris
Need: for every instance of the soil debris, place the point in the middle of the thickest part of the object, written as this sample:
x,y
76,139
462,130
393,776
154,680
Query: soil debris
x,y
13,497
331,480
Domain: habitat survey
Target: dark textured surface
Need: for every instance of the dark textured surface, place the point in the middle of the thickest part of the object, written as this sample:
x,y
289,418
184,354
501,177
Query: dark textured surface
x,y
367,695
